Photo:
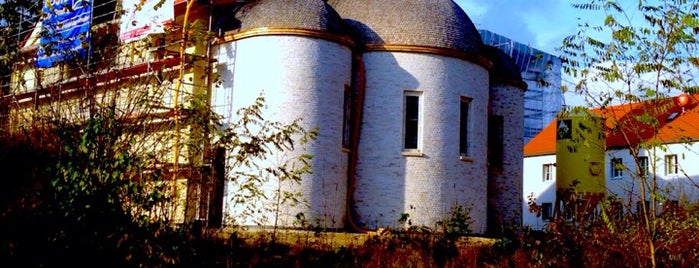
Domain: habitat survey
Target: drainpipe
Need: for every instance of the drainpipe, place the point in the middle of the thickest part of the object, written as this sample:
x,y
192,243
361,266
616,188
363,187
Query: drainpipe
x,y
354,143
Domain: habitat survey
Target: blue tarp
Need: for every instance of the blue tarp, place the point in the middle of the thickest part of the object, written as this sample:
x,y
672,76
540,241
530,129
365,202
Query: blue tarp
x,y
66,31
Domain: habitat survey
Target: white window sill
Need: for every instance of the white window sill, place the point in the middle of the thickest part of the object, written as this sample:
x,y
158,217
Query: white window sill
x,y
411,153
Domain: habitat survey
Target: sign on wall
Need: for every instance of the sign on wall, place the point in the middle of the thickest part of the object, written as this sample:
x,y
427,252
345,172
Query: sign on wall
x,y
144,17
66,31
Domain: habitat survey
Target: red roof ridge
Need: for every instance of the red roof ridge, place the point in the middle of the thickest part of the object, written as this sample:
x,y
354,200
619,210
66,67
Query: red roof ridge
x,y
676,119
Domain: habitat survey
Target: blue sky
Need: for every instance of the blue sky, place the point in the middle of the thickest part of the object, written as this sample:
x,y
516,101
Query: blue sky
x,y
540,23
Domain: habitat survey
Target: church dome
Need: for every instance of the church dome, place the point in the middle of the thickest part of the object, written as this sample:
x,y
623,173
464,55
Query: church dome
x,y
434,23
296,14
504,68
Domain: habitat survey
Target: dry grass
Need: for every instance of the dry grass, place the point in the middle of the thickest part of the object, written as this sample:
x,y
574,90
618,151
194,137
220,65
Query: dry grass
x,y
383,248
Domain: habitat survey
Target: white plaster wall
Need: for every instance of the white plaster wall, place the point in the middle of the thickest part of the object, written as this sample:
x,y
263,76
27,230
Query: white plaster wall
x,y
301,77
505,186
428,186
683,186
535,186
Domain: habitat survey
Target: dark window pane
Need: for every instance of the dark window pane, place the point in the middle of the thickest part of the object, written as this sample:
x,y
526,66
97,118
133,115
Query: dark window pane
x,y
411,121
495,141
463,128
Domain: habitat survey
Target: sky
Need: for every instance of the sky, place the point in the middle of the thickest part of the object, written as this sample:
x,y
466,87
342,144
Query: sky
x,y
541,24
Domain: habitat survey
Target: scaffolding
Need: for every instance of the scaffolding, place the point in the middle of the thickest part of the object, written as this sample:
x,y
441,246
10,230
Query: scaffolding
x,y
542,73
168,70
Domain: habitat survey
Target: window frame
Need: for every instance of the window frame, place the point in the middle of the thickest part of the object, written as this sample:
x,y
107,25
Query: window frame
x,y
644,165
671,164
464,129
496,147
548,172
546,211
616,168
418,123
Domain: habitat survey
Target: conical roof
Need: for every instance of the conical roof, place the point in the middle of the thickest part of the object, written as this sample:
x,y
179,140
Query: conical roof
x,y
293,14
504,69
433,23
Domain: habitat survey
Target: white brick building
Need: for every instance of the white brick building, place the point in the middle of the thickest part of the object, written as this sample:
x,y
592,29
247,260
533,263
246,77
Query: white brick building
x,y
415,114
423,90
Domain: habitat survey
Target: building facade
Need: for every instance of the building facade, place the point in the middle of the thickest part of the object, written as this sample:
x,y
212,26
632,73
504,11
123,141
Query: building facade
x,y
669,164
415,115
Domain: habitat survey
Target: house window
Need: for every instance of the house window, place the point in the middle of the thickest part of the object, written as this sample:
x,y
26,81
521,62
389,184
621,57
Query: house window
x,y
616,210
546,211
495,141
549,172
639,206
643,165
671,166
617,167
463,126
670,206
412,120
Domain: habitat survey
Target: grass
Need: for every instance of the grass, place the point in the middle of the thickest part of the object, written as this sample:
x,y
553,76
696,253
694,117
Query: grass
x,y
301,248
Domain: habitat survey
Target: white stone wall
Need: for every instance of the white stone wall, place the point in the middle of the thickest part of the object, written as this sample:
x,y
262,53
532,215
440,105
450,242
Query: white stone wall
x,y
505,185
301,77
427,186
535,186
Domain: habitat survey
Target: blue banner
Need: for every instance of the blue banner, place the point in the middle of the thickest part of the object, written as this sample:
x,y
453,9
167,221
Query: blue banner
x,y
66,28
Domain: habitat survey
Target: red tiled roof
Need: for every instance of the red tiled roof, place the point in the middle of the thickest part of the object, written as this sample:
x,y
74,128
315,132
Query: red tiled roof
x,y
625,124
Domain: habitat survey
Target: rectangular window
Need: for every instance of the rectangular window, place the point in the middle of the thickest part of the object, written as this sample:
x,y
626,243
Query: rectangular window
x,y
670,206
463,126
671,166
643,165
616,210
495,141
549,172
546,211
412,120
617,168
639,206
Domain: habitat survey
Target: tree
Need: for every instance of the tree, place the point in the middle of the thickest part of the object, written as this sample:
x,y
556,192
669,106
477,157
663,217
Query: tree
x,y
16,21
107,187
641,53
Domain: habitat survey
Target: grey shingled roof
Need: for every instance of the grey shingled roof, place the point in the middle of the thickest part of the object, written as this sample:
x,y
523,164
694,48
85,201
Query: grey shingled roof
x,y
432,23
504,66
297,14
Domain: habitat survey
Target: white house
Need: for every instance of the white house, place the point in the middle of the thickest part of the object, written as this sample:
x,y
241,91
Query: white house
x,y
673,163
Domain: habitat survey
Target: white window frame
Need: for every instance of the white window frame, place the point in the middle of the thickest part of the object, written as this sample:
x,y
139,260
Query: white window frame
x,y
548,172
644,165
672,166
616,168
420,121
